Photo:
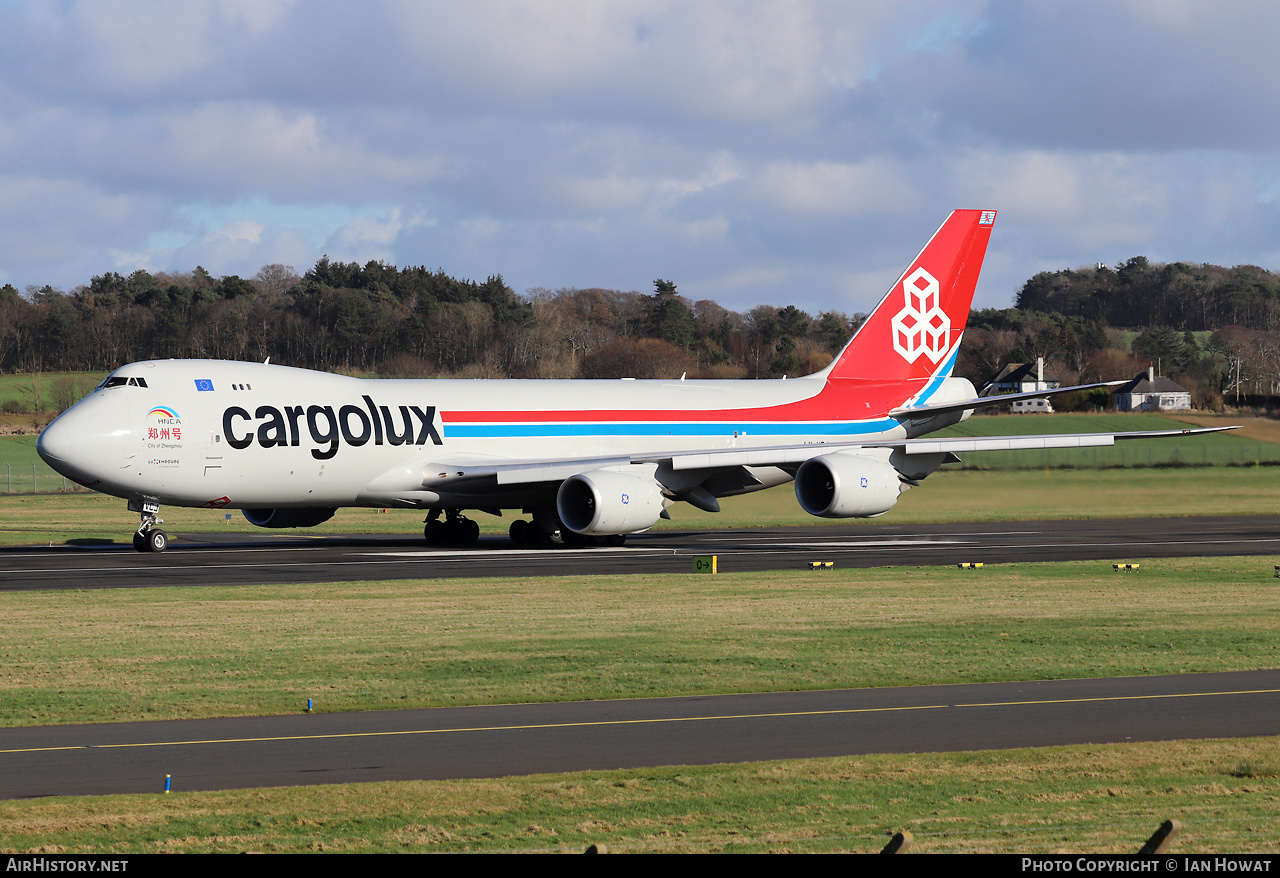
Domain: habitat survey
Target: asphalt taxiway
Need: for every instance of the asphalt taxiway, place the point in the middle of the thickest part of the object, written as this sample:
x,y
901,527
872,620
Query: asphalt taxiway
x,y
245,559
497,741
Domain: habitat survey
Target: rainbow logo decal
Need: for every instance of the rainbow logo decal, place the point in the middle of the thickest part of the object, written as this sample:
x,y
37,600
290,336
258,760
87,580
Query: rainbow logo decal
x,y
163,411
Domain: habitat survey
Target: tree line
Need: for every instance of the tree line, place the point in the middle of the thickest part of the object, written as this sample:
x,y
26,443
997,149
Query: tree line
x,y
1216,330
406,322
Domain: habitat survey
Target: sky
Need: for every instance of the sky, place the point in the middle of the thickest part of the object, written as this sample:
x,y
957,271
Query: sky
x,y
753,153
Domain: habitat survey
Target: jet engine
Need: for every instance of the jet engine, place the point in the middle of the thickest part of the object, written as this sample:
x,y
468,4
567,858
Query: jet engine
x,y
305,517
847,485
602,502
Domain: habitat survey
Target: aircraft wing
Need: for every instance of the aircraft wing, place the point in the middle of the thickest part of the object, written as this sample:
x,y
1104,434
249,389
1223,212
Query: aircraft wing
x,y
789,454
929,410
513,472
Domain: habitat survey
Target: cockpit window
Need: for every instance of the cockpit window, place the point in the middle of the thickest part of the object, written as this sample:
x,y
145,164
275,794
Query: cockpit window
x,y
120,380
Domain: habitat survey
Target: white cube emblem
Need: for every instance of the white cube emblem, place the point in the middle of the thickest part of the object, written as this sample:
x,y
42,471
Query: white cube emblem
x,y
922,327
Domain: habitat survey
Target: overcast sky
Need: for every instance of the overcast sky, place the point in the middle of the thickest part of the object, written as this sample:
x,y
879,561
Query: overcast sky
x,y
772,153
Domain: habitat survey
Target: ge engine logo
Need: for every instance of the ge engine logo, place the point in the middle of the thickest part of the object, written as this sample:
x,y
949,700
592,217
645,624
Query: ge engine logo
x,y
922,327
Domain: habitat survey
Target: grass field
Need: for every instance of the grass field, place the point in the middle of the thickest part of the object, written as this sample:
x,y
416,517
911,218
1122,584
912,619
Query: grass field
x,y
29,401
1092,799
177,652
160,653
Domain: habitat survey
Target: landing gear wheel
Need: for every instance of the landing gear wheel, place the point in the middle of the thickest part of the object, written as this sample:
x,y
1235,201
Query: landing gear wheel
x,y
148,537
461,532
520,532
456,530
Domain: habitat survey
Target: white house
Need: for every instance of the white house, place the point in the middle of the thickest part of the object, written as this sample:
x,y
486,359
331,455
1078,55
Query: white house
x,y
1021,378
1147,393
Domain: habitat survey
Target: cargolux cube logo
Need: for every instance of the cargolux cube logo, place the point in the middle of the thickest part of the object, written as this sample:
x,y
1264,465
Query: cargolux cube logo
x,y
922,327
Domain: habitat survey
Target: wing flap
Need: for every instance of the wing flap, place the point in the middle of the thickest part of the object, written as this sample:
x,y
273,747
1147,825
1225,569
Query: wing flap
x,y
772,456
1007,443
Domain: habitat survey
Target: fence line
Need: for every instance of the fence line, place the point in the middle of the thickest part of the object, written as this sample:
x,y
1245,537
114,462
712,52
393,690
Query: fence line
x,y
35,478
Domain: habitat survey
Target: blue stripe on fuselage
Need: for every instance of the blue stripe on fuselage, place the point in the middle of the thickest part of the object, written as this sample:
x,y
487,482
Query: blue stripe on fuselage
x,y
943,374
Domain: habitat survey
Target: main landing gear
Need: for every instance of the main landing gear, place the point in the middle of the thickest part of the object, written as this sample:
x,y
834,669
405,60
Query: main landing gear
x,y
546,532
456,530
148,537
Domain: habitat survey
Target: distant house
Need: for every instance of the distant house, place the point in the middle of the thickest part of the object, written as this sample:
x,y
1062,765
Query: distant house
x,y
1020,378
1023,378
1147,393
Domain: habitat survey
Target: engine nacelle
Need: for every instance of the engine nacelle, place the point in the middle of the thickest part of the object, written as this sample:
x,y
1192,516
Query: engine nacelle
x,y
305,517
602,502
847,485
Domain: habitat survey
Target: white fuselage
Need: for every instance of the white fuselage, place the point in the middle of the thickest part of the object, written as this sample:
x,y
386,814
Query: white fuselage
x,y
245,435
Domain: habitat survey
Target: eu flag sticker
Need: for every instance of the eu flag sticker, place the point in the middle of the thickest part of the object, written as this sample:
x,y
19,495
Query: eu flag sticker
x,y
204,384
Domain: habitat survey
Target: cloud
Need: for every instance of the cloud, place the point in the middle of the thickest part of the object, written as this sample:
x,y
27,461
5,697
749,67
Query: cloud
x,y
1102,75
760,151
65,223
872,187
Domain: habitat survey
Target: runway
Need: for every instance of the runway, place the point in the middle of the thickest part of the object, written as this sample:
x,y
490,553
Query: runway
x,y
484,742
244,559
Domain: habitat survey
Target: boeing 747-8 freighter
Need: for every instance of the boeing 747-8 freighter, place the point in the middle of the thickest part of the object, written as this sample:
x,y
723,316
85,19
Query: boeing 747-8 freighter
x,y
588,461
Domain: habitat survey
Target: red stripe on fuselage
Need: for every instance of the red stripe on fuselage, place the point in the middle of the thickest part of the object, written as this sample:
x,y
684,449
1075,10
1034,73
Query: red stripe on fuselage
x,y
839,399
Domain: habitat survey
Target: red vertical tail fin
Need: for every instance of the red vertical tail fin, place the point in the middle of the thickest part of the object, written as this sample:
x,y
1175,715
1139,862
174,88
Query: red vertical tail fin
x,y
914,333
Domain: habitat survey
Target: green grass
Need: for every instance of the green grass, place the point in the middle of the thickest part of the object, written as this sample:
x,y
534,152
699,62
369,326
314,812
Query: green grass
x,y
180,653
1087,799
41,390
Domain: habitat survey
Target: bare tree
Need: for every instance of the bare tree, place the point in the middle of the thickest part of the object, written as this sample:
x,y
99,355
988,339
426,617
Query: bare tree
x,y
276,279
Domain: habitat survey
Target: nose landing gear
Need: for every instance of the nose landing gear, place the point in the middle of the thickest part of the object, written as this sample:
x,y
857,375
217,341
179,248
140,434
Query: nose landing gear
x,y
148,537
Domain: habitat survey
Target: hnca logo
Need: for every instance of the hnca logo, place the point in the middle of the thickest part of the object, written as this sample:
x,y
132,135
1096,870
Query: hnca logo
x,y
164,423
922,327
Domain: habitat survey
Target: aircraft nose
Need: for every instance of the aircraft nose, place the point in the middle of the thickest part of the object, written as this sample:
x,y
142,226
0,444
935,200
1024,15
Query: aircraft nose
x,y
54,443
